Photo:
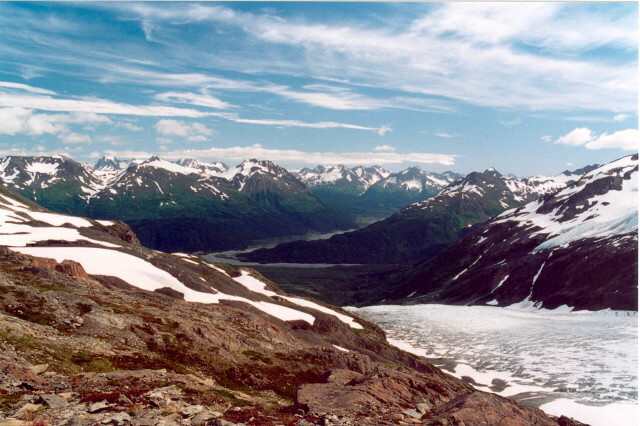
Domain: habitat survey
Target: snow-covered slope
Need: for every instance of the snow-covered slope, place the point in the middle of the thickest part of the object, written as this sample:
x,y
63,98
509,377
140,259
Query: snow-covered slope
x,y
27,229
534,187
600,203
575,247
489,188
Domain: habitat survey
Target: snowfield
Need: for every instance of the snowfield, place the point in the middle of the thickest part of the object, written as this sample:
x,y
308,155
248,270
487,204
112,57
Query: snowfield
x,y
15,232
253,284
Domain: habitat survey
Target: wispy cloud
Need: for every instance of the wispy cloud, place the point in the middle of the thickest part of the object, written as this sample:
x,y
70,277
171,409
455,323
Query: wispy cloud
x,y
106,107
478,44
381,131
445,135
299,157
198,99
384,148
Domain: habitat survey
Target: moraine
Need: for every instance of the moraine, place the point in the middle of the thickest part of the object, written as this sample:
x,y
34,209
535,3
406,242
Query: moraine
x,y
583,364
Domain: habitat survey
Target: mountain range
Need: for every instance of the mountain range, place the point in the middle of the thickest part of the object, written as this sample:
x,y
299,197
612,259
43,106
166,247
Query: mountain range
x,y
371,193
424,228
98,329
190,205
488,239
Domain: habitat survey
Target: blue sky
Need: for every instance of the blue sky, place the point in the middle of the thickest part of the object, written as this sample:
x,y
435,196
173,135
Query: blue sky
x,y
526,88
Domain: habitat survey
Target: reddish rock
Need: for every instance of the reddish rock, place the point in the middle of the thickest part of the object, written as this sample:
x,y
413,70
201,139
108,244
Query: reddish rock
x,y
170,292
43,262
71,268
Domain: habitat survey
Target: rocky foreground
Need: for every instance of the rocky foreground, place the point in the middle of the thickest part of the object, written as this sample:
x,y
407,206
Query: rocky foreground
x,y
83,350
126,335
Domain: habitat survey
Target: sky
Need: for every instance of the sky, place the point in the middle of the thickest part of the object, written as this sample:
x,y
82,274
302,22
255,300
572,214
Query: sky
x,y
527,88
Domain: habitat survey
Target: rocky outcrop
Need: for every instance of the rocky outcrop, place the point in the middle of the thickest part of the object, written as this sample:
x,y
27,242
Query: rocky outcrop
x,y
122,231
71,268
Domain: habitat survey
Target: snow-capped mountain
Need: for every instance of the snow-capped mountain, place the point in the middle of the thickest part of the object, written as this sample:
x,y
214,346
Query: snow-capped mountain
x,y
534,187
357,179
414,179
58,181
213,206
217,168
372,192
576,247
490,189
108,163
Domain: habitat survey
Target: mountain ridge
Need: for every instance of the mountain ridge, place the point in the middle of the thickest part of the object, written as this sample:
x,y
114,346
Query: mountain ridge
x,y
419,230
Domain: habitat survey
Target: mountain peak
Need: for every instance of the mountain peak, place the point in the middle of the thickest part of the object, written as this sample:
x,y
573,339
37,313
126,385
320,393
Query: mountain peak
x,y
108,163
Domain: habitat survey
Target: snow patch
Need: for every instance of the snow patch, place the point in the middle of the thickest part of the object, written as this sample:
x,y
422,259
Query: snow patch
x,y
142,274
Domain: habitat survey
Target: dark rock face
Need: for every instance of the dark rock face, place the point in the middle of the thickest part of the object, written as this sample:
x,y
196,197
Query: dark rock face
x,y
122,231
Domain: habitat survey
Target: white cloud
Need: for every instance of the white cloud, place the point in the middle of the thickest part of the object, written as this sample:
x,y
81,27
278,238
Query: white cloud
x,y
133,127
620,117
579,136
15,121
25,88
95,106
194,132
199,99
540,24
383,130
297,156
546,138
627,140
384,148
319,95
445,135
73,138
478,44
